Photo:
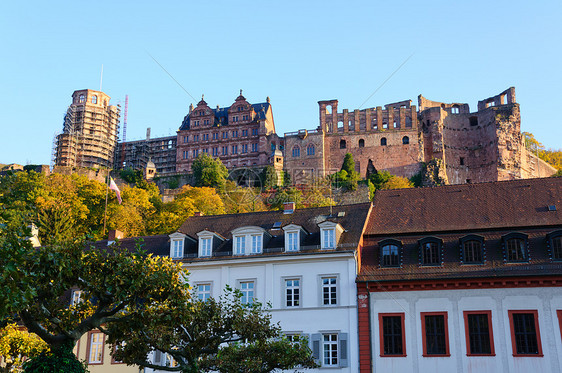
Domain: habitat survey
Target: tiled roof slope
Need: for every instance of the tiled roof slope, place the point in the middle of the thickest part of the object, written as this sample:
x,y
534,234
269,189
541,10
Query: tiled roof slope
x,y
158,245
499,204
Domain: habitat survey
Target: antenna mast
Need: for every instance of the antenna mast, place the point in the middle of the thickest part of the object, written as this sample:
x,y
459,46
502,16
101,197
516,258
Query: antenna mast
x,y
124,131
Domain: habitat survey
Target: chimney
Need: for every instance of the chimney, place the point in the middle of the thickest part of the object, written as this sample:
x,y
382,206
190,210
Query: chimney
x,y
148,134
198,213
114,235
288,207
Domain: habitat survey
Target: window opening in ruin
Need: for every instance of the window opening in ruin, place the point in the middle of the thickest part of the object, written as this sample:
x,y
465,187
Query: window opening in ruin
x,y
350,125
408,122
329,109
395,124
461,161
405,140
361,143
383,141
473,121
342,144
340,125
296,151
384,125
94,99
170,144
455,109
504,99
82,99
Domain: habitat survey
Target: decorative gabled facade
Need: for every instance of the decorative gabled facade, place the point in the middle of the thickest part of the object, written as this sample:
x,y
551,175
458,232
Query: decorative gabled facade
x,y
462,278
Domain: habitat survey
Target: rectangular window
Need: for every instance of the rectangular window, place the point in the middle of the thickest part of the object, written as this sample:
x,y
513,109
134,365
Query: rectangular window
x,y
390,256
329,236
177,248
234,149
330,350
472,252
244,133
215,152
225,135
215,136
292,241
206,246
525,334
254,132
185,139
292,292
254,147
435,334
516,251
247,289
256,244
391,333
225,150
95,350
478,331
203,292
244,148
329,291
240,245
430,253
235,133
556,244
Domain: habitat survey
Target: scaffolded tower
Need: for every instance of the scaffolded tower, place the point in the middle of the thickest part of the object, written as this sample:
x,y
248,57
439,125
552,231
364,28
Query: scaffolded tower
x,y
90,131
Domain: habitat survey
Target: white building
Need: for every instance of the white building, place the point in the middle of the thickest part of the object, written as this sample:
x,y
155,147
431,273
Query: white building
x,y
302,262
463,278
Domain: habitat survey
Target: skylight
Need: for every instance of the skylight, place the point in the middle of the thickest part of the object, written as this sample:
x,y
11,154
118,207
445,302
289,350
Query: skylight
x,y
276,225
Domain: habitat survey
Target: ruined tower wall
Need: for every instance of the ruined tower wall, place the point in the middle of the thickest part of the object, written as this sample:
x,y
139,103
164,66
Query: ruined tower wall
x,y
304,155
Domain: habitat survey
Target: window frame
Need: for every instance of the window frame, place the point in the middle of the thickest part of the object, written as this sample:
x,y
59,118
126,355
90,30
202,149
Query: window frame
x,y
381,333
424,335
239,287
204,283
205,247
331,239
284,293
89,348
330,343
550,241
535,314
516,236
439,244
174,249
336,286
488,313
390,242
472,237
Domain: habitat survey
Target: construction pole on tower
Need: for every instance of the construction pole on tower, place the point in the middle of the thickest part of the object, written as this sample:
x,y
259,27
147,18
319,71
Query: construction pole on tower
x,y
124,131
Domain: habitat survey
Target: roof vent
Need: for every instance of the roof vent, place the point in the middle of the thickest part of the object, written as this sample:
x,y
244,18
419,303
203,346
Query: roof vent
x,y
288,207
551,207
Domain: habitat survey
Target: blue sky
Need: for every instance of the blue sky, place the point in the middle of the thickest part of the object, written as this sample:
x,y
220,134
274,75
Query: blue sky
x,y
295,52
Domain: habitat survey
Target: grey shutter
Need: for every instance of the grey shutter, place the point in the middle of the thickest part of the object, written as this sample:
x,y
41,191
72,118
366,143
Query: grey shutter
x,y
343,349
157,357
315,340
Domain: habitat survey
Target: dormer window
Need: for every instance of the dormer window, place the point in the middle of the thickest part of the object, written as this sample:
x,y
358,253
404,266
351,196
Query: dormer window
x,y
248,240
208,241
555,244
205,247
292,237
329,239
330,233
390,253
472,249
515,247
430,251
177,245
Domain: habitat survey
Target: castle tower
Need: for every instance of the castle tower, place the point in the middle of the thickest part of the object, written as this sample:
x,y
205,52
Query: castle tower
x,y
90,131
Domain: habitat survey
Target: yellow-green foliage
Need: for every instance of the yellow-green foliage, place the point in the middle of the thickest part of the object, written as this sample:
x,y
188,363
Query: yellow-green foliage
x,y
17,345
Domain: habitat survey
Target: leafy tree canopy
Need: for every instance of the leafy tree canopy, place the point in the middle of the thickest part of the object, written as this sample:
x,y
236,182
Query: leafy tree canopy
x,y
208,171
17,345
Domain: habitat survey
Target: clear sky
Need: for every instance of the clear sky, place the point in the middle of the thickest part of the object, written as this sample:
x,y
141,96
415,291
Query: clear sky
x,y
295,52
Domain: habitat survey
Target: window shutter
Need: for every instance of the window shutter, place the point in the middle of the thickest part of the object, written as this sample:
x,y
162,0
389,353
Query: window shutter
x,y
157,357
315,339
343,349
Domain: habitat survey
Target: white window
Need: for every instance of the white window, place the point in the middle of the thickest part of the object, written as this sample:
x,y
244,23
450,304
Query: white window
x,y
206,246
203,291
329,291
330,353
292,292
95,353
328,239
292,241
240,245
177,249
76,297
256,244
247,288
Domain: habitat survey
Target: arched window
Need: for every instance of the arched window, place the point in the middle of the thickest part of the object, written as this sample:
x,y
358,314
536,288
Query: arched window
x,y
383,141
390,253
430,251
455,109
555,243
361,143
405,140
515,246
310,149
82,99
296,151
94,99
472,249
342,144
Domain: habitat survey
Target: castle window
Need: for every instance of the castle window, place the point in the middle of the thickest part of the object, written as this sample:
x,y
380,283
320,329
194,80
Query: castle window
x,y
405,140
342,144
361,143
296,151
340,125
461,161
395,124
383,141
515,247
455,109
473,121
384,125
82,99
430,251
94,99
555,243
310,149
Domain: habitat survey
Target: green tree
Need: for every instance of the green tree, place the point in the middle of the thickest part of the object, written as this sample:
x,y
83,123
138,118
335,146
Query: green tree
x,y
209,172
194,335
116,284
17,345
